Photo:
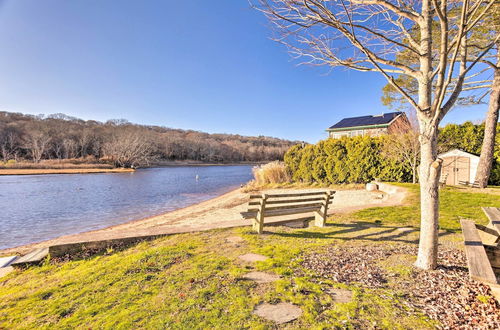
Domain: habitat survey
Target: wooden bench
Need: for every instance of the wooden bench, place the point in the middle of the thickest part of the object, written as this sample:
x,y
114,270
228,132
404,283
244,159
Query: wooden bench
x,y
483,260
261,207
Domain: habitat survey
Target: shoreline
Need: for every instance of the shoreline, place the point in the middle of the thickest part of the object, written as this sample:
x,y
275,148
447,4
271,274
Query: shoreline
x,y
42,171
230,196
222,211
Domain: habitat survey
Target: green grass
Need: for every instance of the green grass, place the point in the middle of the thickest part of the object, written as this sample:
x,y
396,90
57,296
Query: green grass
x,y
455,203
193,280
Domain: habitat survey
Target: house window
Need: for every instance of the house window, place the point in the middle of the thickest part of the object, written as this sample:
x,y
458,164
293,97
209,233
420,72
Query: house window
x,y
356,133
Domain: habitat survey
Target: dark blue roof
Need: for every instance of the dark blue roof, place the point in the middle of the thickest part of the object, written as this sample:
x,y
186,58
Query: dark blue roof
x,y
382,119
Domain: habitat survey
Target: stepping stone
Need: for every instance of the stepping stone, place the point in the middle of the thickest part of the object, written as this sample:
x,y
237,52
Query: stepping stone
x,y
340,295
261,277
5,261
252,257
235,239
280,313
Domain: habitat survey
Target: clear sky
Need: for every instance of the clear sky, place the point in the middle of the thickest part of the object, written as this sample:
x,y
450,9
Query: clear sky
x,y
191,64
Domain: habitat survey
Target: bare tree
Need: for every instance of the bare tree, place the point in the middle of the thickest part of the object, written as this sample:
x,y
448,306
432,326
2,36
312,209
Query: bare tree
x,y
38,142
129,149
402,144
366,35
9,143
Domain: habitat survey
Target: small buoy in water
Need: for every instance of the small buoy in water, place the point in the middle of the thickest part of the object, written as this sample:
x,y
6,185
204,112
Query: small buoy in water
x,y
197,177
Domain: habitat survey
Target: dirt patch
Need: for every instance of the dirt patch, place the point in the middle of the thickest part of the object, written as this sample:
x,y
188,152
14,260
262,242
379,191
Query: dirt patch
x,y
355,264
445,294
448,295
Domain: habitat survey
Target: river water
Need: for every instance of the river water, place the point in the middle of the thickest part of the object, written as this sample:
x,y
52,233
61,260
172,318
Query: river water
x,y
40,207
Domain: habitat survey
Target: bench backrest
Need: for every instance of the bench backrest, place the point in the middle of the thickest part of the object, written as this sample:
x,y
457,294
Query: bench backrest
x,y
290,203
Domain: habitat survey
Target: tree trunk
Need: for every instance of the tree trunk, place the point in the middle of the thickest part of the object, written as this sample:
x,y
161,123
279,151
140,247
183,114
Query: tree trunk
x,y
490,129
430,169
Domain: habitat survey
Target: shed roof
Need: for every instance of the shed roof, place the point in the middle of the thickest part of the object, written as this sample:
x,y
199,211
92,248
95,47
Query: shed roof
x,y
378,120
457,153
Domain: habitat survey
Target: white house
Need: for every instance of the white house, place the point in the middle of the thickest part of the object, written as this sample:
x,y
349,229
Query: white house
x,y
459,165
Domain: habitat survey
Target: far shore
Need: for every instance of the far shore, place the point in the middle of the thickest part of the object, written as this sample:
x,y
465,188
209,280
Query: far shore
x,y
194,163
39,171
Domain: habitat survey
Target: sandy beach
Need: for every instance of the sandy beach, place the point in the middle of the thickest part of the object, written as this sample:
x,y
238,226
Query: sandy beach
x,y
220,212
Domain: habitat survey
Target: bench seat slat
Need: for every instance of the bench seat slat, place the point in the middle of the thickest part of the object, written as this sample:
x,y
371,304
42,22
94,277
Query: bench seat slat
x,y
293,194
479,265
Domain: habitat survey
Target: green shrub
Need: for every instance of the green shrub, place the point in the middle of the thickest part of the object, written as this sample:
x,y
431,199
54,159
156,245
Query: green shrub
x,y
305,170
345,160
292,159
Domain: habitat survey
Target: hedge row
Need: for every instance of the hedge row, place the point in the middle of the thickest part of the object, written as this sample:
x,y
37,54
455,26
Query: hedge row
x,y
346,160
360,160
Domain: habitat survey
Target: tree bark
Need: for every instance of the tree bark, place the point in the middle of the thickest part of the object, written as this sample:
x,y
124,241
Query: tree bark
x,y
429,165
490,129
430,169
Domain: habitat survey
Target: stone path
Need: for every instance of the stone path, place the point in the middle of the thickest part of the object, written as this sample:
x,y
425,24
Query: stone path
x,y
340,295
282,312
279,313
252,257
236,240
261,277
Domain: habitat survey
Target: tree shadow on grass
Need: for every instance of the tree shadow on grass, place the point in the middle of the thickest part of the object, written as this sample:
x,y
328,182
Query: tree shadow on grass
x,y
378,233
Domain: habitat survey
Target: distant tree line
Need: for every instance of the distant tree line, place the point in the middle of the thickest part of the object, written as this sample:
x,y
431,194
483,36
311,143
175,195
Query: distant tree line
x,y
57,136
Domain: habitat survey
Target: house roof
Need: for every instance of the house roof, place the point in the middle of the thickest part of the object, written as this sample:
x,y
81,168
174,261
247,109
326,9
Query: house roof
x,y
378,120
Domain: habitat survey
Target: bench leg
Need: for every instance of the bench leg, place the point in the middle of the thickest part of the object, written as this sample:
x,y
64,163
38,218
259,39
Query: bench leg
x,y
257,226
319,219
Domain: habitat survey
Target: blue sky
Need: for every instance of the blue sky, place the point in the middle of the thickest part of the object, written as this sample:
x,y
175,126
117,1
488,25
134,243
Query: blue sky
x,y
190,64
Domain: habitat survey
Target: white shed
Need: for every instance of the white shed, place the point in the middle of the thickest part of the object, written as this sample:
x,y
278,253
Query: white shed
x,y
459,165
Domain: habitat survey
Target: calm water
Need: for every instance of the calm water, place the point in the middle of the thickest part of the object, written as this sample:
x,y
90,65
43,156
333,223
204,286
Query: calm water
x,y
40,207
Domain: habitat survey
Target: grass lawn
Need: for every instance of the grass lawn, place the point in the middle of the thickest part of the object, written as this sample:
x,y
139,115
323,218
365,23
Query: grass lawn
x,y
455,203
194,280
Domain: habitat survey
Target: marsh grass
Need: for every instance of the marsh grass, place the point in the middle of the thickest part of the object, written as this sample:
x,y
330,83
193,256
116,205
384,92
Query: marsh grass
x,y
76,163
273,172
